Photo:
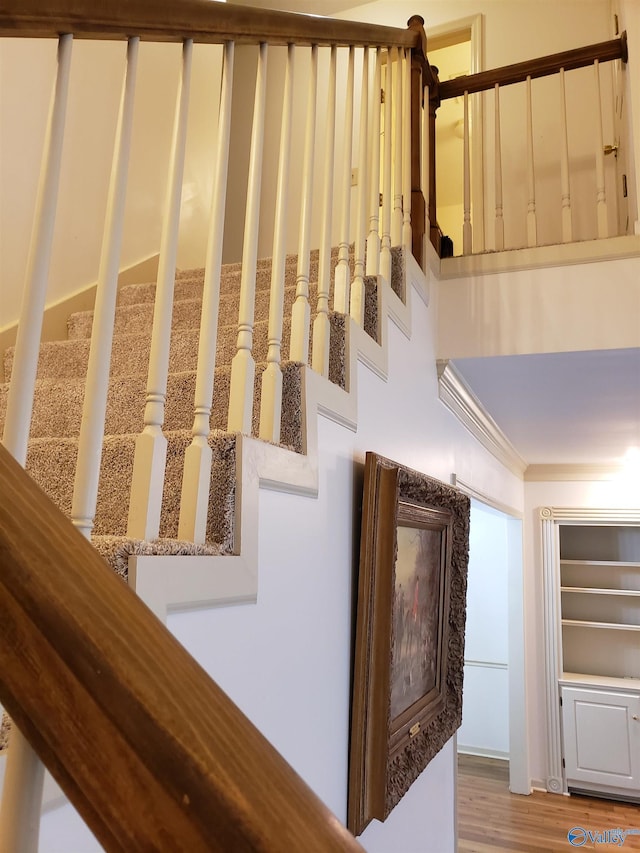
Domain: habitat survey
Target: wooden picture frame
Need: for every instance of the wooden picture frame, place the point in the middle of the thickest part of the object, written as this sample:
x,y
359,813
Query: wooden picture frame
x,y
410,622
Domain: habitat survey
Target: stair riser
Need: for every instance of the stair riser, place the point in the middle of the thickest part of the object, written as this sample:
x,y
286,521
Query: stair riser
x,y
125,405
52,465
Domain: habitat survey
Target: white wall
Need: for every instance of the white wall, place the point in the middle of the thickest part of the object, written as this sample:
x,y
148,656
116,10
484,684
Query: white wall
x,y
290,661
588,306
611,494
485,711
97,68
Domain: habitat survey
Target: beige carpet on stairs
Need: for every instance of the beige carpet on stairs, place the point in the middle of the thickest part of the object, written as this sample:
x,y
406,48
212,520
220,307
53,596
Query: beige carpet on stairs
x,y
60,393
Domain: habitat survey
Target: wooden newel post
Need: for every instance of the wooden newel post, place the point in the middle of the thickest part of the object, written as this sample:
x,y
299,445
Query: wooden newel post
x,y
423,75
418,204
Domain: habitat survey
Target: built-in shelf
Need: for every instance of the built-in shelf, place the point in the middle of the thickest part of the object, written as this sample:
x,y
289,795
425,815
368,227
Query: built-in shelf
x,y
581,679
611,626
612,563
587,590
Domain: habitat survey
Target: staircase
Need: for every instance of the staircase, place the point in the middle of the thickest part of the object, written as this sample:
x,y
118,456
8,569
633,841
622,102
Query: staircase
x,y
57,413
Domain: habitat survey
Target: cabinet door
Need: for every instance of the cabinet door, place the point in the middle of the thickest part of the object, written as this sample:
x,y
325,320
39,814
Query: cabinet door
x,y
601,733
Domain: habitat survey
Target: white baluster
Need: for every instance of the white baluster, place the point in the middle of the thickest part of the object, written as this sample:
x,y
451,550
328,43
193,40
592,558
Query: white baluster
x,y
342,272
151,445
25,361
373,237
498,175
601,194
387,168
424,172
357,291
243,366
301,311
466,228
271,391
406,153
567,234
24,774
85,491
532,229
396,216
321,327
194,502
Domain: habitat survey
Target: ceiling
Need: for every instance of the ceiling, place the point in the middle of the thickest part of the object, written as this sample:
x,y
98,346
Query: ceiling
x,y
562,408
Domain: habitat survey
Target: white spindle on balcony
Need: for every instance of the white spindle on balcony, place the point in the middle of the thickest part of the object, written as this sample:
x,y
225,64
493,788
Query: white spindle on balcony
x,y
499,216
24,774
396,216
387,167
601,193
567,234
321,327
85,492
301,311
243,367
406,153
194,502
532,229
342,275
466,228
151,445
271,392
357,291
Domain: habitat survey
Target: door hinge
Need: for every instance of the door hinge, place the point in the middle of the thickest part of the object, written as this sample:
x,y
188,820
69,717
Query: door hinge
x,y
624,186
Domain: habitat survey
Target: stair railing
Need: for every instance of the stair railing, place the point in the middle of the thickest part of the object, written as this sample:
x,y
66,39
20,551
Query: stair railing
x,y
472,85
190,22
149,750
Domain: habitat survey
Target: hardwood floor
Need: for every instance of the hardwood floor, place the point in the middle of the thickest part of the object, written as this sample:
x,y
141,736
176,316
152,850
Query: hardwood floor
x,y
490,818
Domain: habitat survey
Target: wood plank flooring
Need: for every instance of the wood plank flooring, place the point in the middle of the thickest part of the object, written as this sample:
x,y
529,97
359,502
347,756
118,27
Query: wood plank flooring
x,y
490,818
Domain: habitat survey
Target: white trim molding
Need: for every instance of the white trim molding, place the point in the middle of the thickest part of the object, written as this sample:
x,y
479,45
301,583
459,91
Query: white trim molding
x,y
460,399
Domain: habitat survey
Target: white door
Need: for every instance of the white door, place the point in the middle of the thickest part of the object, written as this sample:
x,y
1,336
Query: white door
x,y
601,731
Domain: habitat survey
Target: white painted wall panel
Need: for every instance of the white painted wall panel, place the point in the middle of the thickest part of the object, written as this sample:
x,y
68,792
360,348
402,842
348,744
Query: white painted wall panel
x,y
485,711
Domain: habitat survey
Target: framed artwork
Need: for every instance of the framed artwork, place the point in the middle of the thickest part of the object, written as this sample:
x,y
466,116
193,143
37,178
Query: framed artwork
x,y
410,621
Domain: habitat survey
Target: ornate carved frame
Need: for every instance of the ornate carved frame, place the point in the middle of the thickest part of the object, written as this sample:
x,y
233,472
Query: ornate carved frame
x,y
387,755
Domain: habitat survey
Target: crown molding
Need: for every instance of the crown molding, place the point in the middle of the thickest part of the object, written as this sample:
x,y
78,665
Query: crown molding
x,y
460,399
571,472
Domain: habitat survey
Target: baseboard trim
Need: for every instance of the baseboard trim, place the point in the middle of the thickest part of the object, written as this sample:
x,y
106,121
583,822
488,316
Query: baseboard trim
x,y
481,752
54,320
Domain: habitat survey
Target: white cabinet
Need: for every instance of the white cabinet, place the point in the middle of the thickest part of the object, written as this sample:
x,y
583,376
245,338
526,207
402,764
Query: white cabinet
x,y
601,735
600,653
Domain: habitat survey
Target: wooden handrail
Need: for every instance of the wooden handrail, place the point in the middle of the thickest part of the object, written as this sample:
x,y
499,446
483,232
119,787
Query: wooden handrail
x,y
569,59
201,20
149,750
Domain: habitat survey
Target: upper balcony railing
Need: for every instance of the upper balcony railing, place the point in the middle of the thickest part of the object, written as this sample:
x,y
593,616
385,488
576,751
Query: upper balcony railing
x,y
568,191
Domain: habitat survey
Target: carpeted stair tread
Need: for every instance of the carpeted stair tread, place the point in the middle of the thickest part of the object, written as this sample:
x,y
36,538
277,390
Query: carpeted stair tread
x,y
116,550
